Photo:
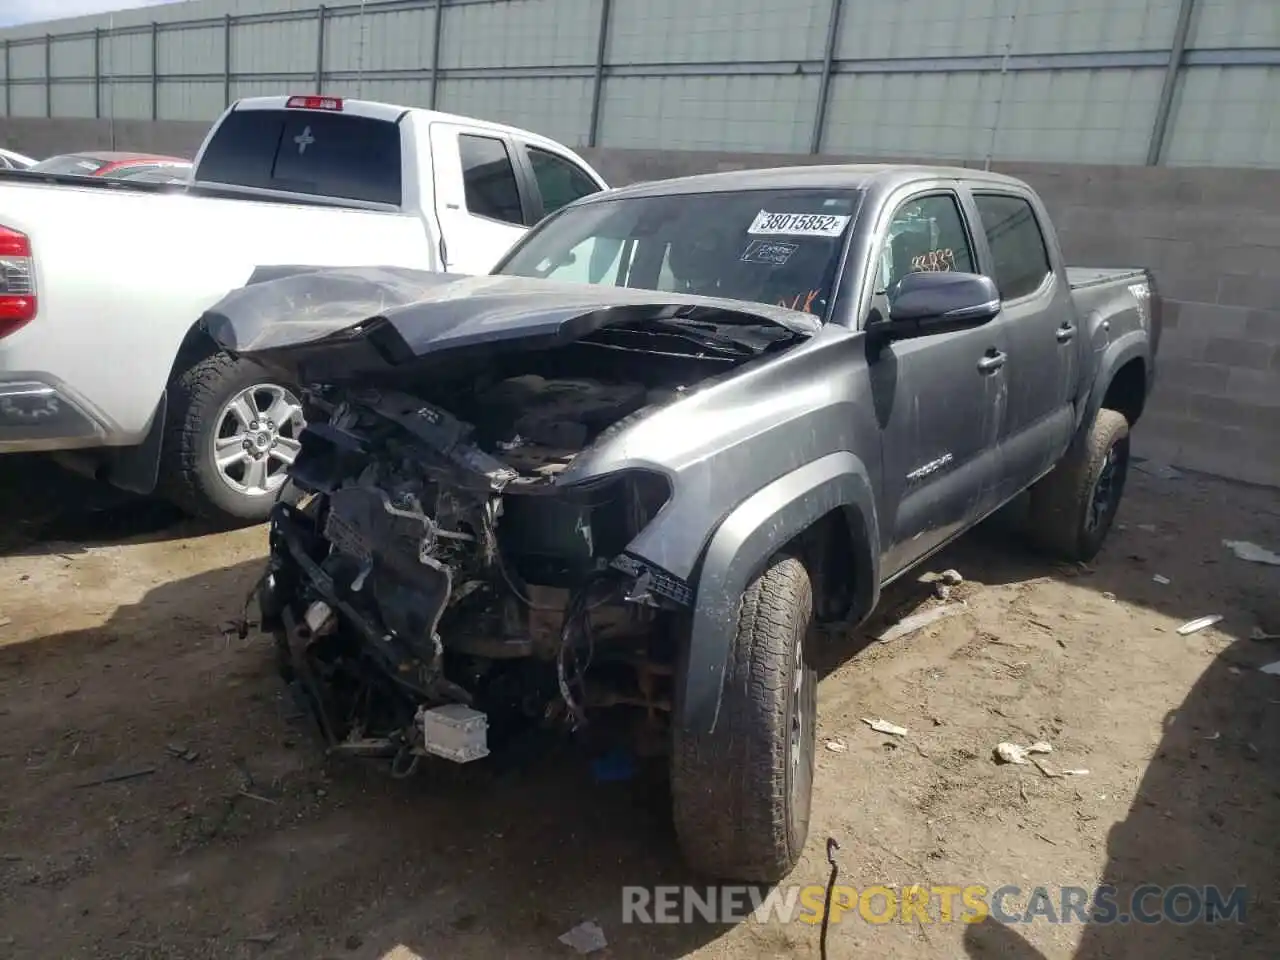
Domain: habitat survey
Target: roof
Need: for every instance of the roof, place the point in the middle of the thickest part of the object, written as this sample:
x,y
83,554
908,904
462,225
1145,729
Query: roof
x,y
833,176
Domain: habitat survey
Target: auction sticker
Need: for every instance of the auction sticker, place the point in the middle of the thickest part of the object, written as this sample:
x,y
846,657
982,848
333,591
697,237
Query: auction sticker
x,y
797,224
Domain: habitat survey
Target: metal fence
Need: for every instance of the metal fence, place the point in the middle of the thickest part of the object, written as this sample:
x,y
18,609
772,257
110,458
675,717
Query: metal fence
x,y
1109,81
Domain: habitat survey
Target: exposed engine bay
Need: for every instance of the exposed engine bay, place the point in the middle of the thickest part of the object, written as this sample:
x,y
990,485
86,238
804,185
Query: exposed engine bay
x,y
435,589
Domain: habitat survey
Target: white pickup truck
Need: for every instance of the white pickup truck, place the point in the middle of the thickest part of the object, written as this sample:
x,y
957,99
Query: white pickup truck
x,y
102,283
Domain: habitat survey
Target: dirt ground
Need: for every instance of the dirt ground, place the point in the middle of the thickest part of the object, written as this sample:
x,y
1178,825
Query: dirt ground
x,y
235,838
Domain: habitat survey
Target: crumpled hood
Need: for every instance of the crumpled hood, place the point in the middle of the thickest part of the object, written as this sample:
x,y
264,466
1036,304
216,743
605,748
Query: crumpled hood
x,y
283,307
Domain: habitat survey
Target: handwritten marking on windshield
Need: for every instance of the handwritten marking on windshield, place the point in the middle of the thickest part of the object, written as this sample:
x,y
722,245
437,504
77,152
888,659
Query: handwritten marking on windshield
x,y
935,261
795,304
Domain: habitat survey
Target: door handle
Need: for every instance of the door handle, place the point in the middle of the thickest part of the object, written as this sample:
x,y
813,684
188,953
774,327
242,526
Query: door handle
x,y
1066,332
992,361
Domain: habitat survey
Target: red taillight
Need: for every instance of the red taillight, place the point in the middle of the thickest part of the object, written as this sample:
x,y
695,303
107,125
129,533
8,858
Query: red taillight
x,y
315,103
17,281
13,243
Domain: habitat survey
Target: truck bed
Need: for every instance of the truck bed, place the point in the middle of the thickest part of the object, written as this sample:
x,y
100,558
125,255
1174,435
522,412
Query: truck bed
x,y
1123,299
1082,277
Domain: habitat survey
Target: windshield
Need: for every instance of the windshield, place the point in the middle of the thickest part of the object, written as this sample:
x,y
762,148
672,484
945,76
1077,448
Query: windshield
x,y
776,247
70,164
160,173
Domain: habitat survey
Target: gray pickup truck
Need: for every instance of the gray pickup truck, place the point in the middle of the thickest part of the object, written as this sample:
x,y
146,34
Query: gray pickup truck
x,y
614,485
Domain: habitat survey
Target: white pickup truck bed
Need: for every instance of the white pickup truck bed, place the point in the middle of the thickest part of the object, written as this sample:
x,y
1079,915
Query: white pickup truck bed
x,y
120,280
112,370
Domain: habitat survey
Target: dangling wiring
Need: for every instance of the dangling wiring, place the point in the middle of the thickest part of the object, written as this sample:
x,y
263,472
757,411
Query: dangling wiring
x,y
576,629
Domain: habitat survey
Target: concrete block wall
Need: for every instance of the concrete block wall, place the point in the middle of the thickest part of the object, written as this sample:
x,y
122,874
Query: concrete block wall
x,y
1211,236
1213,239
42,137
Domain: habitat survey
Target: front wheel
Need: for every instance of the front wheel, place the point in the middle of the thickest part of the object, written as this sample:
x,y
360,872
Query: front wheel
x,y
231,435
741,795
1073,508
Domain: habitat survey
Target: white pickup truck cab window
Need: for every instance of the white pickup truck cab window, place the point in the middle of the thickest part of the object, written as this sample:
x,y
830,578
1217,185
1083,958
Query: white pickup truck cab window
x,y
491,187
478,199
560,181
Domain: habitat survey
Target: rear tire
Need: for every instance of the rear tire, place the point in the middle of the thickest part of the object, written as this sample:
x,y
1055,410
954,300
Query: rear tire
x,y
741,795
1073,508
213,409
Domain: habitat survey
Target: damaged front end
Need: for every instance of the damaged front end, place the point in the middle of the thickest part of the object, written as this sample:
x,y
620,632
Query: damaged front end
x,y
444,577
422,589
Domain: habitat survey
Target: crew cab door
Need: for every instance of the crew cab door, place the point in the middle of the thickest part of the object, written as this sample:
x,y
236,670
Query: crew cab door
x,y
557,180
483,201
1039,323
939,399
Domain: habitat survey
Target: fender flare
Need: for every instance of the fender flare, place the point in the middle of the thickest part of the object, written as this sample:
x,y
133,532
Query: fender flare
x,y
1131,346
739,549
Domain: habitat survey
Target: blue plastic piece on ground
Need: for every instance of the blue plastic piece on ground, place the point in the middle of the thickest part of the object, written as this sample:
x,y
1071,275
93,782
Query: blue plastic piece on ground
x,y
615,765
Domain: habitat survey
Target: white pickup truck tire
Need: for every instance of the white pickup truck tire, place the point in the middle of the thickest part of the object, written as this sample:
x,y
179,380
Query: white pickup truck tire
x,y
231,433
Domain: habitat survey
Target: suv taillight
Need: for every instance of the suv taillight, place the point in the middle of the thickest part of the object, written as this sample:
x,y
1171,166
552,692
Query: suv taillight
x,y
17,281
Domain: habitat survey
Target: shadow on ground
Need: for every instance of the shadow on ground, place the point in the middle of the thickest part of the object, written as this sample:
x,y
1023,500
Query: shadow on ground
x,y
1160,533
46,509
239,842
1207,810
1170,529
229,834
1206,815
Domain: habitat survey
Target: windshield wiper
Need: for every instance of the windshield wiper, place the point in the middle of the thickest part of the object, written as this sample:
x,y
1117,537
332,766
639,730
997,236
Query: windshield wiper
x,y
700,333
756,316
698,313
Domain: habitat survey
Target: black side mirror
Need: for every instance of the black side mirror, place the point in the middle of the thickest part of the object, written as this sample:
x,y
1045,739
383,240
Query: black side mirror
x,y
922,304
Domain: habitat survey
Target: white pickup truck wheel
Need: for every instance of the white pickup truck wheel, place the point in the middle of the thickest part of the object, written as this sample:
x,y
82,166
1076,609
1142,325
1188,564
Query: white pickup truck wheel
x,y
256,438
229,440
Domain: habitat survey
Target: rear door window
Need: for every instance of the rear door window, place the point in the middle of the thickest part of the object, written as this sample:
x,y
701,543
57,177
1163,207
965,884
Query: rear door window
x,y
307,151
1021,261
560,182
489,179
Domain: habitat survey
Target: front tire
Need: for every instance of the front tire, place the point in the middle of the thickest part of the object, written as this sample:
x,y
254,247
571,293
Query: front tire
x,y
231,433
1073,508
741,795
